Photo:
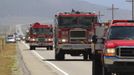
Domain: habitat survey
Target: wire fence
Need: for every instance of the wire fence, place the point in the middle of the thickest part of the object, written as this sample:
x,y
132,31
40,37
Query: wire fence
x,y
2,43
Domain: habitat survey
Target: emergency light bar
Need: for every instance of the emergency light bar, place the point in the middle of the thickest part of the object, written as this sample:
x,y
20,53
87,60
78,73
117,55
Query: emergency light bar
x,y
122,21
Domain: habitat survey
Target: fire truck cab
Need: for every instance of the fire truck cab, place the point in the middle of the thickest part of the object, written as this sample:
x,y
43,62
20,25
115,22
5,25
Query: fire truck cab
x,y
41,35
73,33
117,56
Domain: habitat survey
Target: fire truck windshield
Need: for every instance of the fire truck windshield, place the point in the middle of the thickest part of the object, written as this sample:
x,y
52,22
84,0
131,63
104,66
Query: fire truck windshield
x,y
121,32
41,31
77,21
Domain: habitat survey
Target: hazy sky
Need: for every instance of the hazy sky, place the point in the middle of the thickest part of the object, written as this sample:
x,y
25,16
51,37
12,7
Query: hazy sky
x,y
123,4
27,11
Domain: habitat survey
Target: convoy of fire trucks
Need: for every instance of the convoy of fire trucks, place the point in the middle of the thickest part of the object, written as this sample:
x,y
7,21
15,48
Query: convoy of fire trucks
x,y
76,33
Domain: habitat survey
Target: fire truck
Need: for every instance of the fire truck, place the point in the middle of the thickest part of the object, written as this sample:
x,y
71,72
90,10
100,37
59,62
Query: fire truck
x,y
41,35
27,37
73,32
117,56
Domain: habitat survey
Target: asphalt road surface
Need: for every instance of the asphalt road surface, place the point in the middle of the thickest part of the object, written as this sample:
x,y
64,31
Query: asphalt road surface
x,y
41,61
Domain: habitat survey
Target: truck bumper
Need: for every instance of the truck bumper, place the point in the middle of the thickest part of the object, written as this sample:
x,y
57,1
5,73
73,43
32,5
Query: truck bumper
x,y
75,49
115,64
74,46
41,44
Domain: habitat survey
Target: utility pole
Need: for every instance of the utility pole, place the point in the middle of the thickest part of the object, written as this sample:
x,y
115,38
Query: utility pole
x,y
99,15
132,1
113,9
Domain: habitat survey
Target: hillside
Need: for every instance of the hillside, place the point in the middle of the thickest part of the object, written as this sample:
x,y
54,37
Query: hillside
x,y
26,11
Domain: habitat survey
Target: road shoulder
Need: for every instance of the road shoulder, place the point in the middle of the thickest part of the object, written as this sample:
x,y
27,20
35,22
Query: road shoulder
x,y
35,66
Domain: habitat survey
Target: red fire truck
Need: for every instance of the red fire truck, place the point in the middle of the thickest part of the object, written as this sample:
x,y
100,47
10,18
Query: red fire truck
x,y
41,35
73,32
27,38
117,56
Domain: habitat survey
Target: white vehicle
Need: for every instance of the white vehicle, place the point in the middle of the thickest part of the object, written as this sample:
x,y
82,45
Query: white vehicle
x,y
10,39
18,38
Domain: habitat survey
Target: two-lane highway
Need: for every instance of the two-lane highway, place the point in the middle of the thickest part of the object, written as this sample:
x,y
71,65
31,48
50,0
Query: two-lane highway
x,y
70,66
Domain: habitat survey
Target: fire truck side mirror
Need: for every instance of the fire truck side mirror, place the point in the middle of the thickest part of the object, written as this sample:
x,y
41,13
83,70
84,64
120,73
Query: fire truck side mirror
x,y
94,39
51,30
103,40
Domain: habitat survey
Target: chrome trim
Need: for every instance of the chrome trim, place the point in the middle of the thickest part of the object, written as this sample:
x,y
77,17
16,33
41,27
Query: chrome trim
x,y
75,46
111,60
119,51
77,30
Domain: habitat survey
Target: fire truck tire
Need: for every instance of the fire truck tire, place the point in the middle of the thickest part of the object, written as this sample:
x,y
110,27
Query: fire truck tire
x,y
26,41
106,72
96,68
59,56
49,48
97,65
32,48
90,55
85,56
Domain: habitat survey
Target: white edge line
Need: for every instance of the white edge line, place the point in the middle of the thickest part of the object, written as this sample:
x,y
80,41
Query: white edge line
x,y
57,68
38,55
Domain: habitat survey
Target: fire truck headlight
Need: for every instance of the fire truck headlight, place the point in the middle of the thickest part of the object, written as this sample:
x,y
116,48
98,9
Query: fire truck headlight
x,y
90,40
64,40
110,52
33,39
28,37
50,39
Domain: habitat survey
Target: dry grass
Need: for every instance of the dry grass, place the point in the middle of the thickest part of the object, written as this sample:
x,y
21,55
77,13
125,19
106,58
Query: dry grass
x,y
7,57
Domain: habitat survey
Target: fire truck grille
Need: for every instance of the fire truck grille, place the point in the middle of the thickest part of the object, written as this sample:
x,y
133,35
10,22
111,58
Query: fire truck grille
x,y
41,39
77,34
125,52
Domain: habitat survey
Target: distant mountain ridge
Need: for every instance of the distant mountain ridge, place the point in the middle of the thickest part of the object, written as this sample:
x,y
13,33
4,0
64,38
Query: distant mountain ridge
x,y
24,11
